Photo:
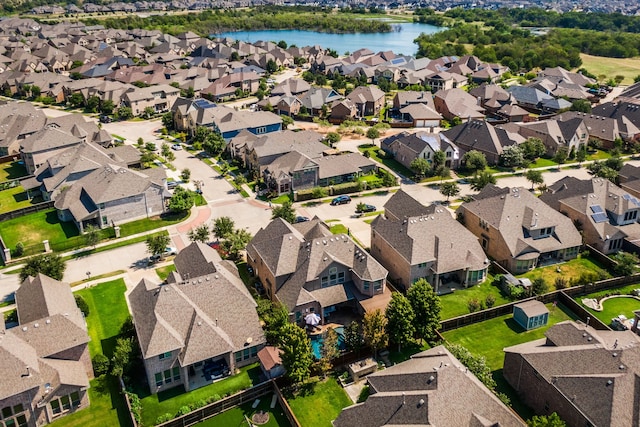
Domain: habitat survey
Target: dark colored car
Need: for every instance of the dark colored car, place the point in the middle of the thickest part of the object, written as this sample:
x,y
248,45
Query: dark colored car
x,y
365,208
341,200
105,119
301,219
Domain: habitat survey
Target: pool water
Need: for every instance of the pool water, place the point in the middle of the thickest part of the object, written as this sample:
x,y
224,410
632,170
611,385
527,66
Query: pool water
x,y
318,340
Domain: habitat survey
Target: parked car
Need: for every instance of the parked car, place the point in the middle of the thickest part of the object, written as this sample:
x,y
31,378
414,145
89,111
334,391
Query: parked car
x,y
172,184
301,219
363,207
341,200
105,119
176,147
169,250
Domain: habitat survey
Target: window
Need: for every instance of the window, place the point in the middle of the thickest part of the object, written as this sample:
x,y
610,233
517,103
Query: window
x,y
324,282
341,277
165,355
159,379
105,220
365,285
7,412
55,407
377,286
333,270
22,420
176,373
167,376
630,215
261,129
485,243
101,205
422,265
245,353
75,398
66,403
238,355
448,154
254,351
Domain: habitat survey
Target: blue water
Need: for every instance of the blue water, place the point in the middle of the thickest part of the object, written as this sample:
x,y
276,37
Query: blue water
x,y
400,42
317,340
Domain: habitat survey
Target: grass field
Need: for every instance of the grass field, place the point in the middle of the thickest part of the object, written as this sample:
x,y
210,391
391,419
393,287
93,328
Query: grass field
x,y
615,306
32,229
318,403
570,270
14,198
163,272
389,163
611,67
455,304
108,311
236,416
9,171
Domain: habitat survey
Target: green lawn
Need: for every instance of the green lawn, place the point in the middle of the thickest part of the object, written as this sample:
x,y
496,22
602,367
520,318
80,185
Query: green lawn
x,y
488,338
32,229
11,171
318,403
615,306
389,163
455,304
170,401
542,162
281,199
163,272
570,270
108,311
236,416
15,198
599,155
338,229
147,224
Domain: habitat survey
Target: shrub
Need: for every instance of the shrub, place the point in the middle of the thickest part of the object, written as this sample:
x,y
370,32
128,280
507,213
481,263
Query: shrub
x,y
561,283
82,305
490,300
19,249
184,410
163,418
347,187
515,292
100,364
473,305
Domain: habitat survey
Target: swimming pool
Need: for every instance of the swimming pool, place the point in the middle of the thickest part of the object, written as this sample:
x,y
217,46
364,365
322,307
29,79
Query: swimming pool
x,y
318,340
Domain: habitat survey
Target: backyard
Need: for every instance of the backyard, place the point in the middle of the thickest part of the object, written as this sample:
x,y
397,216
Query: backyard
x,y
107,313
238,416
15,198
455,303
11,171
389,163
317,403
613,307
570,271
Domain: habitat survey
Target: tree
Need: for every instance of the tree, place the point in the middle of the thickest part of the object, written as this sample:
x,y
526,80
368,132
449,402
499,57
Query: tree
x,y
167,120
561,156
333,138
474,161
443,172
284,211
581,105
223,227
76,100
92,105
439,158
374,330
296,352
420,166
165,150
121,356
199,234
107,106
182,200
235,242
539,286
449,189
147,158
400,320
50,265
481,180
286,121
100,364
214,143
156,245
148,112
125,113
185,175
534,176
330,350
82,305
272,67
532,148
91,235
275,316
373,134
581,155
626,263
476,364
353,336
512,156
552,420
426,309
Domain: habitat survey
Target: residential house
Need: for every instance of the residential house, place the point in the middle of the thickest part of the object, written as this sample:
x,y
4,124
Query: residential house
x,y
187,333
426,243
571,134
518,230
343,110
626,113
531,314
404,98
368,100
45,361
603,129
431,388
311,270
481,136
405,147
588,377
111,195
453,103
318,100
536,101
607,215
288,105
292,86
47,142
492,96
18,120
420,116
444,80
160,98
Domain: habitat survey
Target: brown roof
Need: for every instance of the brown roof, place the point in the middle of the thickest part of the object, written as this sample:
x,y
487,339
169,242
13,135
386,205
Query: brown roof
x,y
270,357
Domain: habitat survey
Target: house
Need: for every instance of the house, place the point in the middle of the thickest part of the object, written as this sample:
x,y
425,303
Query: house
x,y
481,136
270,362
530,98
431,388
626,114
603,129
188,335
415,242
457,103
572,134
113,194
444,80
160,98
343,109
586,376
318,100
420,116
518,230
368,100
47,142
531,314
18,120
607,214
492,96
405,147
45,361
310,270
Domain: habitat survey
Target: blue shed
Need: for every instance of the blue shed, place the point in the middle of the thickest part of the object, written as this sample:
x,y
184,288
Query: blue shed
x,y
530,314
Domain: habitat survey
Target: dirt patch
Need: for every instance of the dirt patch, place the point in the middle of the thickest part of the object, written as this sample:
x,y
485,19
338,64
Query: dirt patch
x,y
260,418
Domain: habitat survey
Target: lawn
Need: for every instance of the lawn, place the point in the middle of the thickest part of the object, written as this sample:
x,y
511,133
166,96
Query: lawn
x,y
318,403
615,306
163,272
542,162
147,224
611,67
236,416
11,171
599,155
570,270
389,163
338,229
108,311
32,229
490,337
455,304
14,198
170,401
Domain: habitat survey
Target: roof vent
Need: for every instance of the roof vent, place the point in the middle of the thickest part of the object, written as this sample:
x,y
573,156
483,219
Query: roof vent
x,y
609,382
48,321
24,329
621,367
36,325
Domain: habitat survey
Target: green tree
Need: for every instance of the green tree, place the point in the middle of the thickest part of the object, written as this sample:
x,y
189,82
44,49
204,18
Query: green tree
x,y
296,352
91,235
439,158
272,67
539,286
420,166
50,264
185,175
76,100
92,104
214,143
552,420
476,364
121,356
400,320
236,242
82,305
107,106
512,156
449,189
148,112
534,176
532,148
182,200
284,211
374,330
474,161
147,159
626,263
167,120
199,234
165,150
581,155
333,138
157,244
223,226
100,364
481,180
330,350
275,316
581,105
125,113
373,134
353,336
318,192
286,121
561,156
426,307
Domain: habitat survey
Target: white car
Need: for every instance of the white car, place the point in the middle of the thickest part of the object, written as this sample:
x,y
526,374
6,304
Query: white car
x,y
176,147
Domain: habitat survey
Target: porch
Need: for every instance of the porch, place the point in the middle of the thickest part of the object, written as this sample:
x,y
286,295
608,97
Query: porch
x,y
207,371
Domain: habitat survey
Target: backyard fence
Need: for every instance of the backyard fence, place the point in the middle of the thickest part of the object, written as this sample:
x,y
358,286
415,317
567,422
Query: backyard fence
x,y
600,257
285,407
26,210
222,405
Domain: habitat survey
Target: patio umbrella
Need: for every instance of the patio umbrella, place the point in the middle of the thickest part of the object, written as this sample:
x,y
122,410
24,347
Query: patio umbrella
x,y
312,319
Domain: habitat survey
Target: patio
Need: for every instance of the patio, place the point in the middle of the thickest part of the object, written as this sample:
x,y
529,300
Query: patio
x,y
204,373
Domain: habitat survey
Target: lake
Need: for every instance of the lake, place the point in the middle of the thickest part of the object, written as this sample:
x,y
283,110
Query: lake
x,y
400,41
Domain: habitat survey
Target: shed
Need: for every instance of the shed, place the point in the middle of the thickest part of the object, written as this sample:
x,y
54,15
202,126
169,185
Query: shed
x,y
531,314
270,362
